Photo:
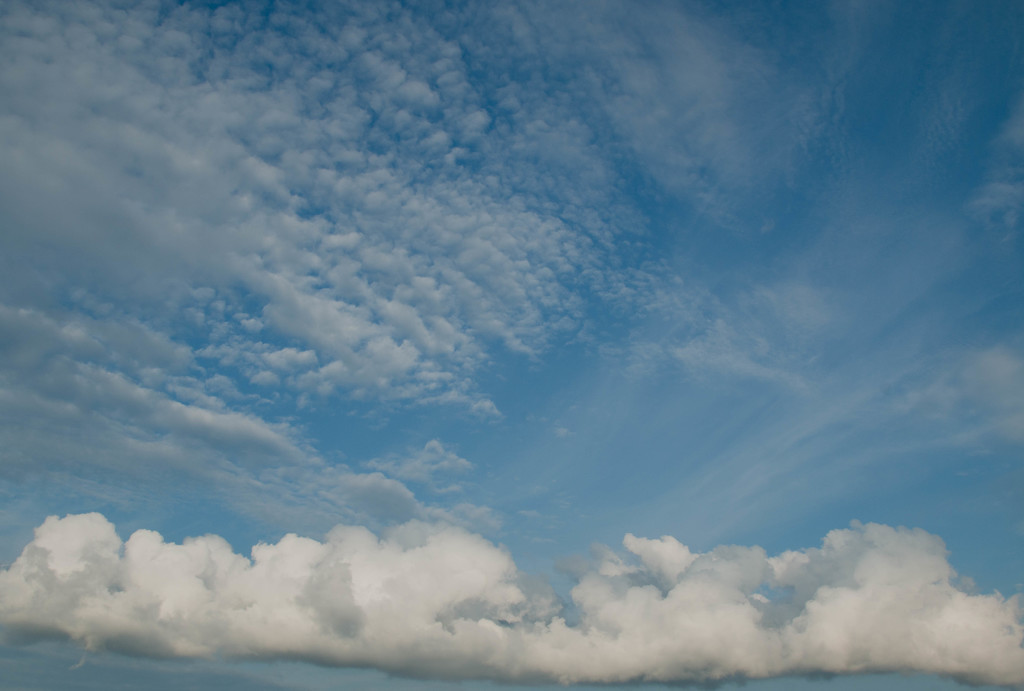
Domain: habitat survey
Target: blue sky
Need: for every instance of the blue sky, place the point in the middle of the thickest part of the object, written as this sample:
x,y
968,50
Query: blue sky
x,y
446,346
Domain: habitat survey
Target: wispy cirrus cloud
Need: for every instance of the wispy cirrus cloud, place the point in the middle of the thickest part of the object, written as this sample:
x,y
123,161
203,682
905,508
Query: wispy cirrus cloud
x,y
981,388
424,464
1000,199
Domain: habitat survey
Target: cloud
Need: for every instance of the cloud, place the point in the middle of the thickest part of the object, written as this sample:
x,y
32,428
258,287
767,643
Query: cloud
x,y
981,388
311,186
112,399
1001,199
422,465
76,391
313,496
433,600
688,97
216,220
768,332
994,378
722,349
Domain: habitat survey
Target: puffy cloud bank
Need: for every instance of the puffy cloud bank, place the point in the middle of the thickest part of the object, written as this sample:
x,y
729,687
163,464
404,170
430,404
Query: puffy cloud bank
x,y
437,601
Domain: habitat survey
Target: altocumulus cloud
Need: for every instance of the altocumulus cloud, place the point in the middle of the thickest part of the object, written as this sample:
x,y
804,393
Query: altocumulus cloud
x,y
241,154
433,600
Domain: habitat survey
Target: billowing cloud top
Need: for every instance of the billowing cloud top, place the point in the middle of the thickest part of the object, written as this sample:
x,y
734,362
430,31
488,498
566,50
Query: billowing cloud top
x,y
432,600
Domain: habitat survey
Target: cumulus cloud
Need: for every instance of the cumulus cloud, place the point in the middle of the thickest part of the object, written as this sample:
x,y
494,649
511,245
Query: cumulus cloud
x,y
433,600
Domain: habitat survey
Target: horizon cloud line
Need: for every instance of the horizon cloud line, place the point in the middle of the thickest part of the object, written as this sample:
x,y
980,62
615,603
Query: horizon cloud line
x,y
429,600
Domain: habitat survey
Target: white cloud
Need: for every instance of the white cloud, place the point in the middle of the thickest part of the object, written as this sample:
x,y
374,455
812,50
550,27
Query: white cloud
x,y
982,389
208,214
295,182
1001,199
424,464
432,600
706,114
211,221
994,378
799,307
772,333
723,349
111,400
81,391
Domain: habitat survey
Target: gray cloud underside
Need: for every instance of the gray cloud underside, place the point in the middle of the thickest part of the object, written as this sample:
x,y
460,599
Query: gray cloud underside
x,y
433,600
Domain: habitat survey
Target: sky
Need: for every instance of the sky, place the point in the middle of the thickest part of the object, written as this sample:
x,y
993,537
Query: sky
x,y
499,345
